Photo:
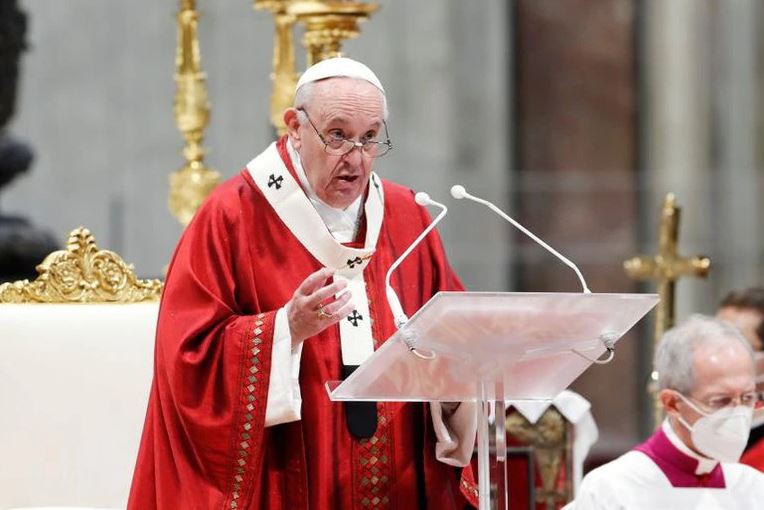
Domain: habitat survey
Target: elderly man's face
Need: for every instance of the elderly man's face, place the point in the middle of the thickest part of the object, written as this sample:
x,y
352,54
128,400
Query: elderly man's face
x,y
346,108
723,373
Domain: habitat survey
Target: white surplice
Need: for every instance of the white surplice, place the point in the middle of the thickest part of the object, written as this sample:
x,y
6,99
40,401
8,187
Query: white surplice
x,y
634,481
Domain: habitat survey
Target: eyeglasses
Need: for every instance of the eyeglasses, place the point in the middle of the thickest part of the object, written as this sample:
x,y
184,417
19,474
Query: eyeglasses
x,y
337,145
716,402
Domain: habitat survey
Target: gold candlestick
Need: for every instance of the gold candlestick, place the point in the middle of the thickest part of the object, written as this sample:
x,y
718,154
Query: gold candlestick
x,y
190,184
284,74
328,23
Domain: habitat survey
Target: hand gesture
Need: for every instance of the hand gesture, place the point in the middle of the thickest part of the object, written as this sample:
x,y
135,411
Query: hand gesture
x,y
313,307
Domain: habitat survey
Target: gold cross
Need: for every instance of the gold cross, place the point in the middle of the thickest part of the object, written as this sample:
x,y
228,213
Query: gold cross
x,y
666,268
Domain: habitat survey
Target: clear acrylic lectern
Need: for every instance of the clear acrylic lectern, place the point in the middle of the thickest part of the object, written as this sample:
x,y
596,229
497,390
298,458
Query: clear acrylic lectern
x,y
491,347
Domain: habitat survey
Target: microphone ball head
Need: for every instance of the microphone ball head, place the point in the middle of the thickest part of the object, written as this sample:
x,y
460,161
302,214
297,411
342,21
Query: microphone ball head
x,y
422,198
458,191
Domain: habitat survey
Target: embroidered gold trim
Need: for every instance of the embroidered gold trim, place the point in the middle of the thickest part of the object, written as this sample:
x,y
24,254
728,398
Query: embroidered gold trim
x,y
244,435
471,488
374,466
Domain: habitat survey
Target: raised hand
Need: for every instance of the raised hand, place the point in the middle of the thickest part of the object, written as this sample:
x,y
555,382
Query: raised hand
x,y
313,306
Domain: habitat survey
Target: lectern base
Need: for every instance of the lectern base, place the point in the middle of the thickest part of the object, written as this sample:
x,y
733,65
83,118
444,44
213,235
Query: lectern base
x,y
493,490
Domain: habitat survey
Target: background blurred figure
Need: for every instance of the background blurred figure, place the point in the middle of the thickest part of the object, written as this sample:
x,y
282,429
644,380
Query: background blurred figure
x,y
22,244
745,310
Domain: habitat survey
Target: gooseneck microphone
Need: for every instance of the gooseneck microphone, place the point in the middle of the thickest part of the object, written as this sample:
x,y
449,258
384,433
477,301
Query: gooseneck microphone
x,y
422,199
458,192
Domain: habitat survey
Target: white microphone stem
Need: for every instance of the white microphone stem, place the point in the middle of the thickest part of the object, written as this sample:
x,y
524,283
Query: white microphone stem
x,y
392,298
460,192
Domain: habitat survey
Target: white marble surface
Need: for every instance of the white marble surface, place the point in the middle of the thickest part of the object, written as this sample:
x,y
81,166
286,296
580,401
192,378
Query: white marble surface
x,y
75,383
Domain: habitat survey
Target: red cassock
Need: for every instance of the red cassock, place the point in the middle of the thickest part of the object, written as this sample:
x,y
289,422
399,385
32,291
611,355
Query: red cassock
x,y
754,456
204,444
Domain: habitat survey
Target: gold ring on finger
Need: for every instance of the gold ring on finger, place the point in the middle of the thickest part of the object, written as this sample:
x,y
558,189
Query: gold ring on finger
x,y
323,314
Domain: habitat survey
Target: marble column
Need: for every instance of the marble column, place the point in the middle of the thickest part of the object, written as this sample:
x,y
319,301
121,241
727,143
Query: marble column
x,y
738,176
575,173
677,130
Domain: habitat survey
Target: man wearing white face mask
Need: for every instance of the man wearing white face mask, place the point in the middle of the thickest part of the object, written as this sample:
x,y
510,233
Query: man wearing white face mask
x,y
744,309
707,389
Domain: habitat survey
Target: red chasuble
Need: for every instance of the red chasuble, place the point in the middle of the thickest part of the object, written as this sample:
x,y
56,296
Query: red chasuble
x,y
204,444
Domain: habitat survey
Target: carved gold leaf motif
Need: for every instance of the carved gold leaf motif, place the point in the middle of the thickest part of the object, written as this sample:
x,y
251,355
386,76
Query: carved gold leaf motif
x,y
82,273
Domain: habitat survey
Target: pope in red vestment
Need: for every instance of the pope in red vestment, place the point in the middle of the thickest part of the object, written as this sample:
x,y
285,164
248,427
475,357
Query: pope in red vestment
x,y
206,442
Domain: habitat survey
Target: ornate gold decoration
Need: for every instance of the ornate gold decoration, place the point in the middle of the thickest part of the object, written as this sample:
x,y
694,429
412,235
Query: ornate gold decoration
x,y
190,184
284,74
328,23
666,267
82,274
552,448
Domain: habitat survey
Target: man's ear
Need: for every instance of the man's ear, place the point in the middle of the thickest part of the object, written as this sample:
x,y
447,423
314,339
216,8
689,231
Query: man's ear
x,y
669,400
292,124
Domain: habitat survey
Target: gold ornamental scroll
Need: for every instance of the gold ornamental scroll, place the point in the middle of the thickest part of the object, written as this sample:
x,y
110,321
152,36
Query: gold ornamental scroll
x,y
284,76
190,184
665,268
329,23
82,273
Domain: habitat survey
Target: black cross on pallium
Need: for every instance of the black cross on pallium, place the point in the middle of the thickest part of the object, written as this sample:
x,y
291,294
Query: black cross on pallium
x,y
354,262
355,317
275,181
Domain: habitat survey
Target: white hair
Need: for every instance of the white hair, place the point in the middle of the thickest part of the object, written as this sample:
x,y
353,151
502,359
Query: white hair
x,y
675,353
304,95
